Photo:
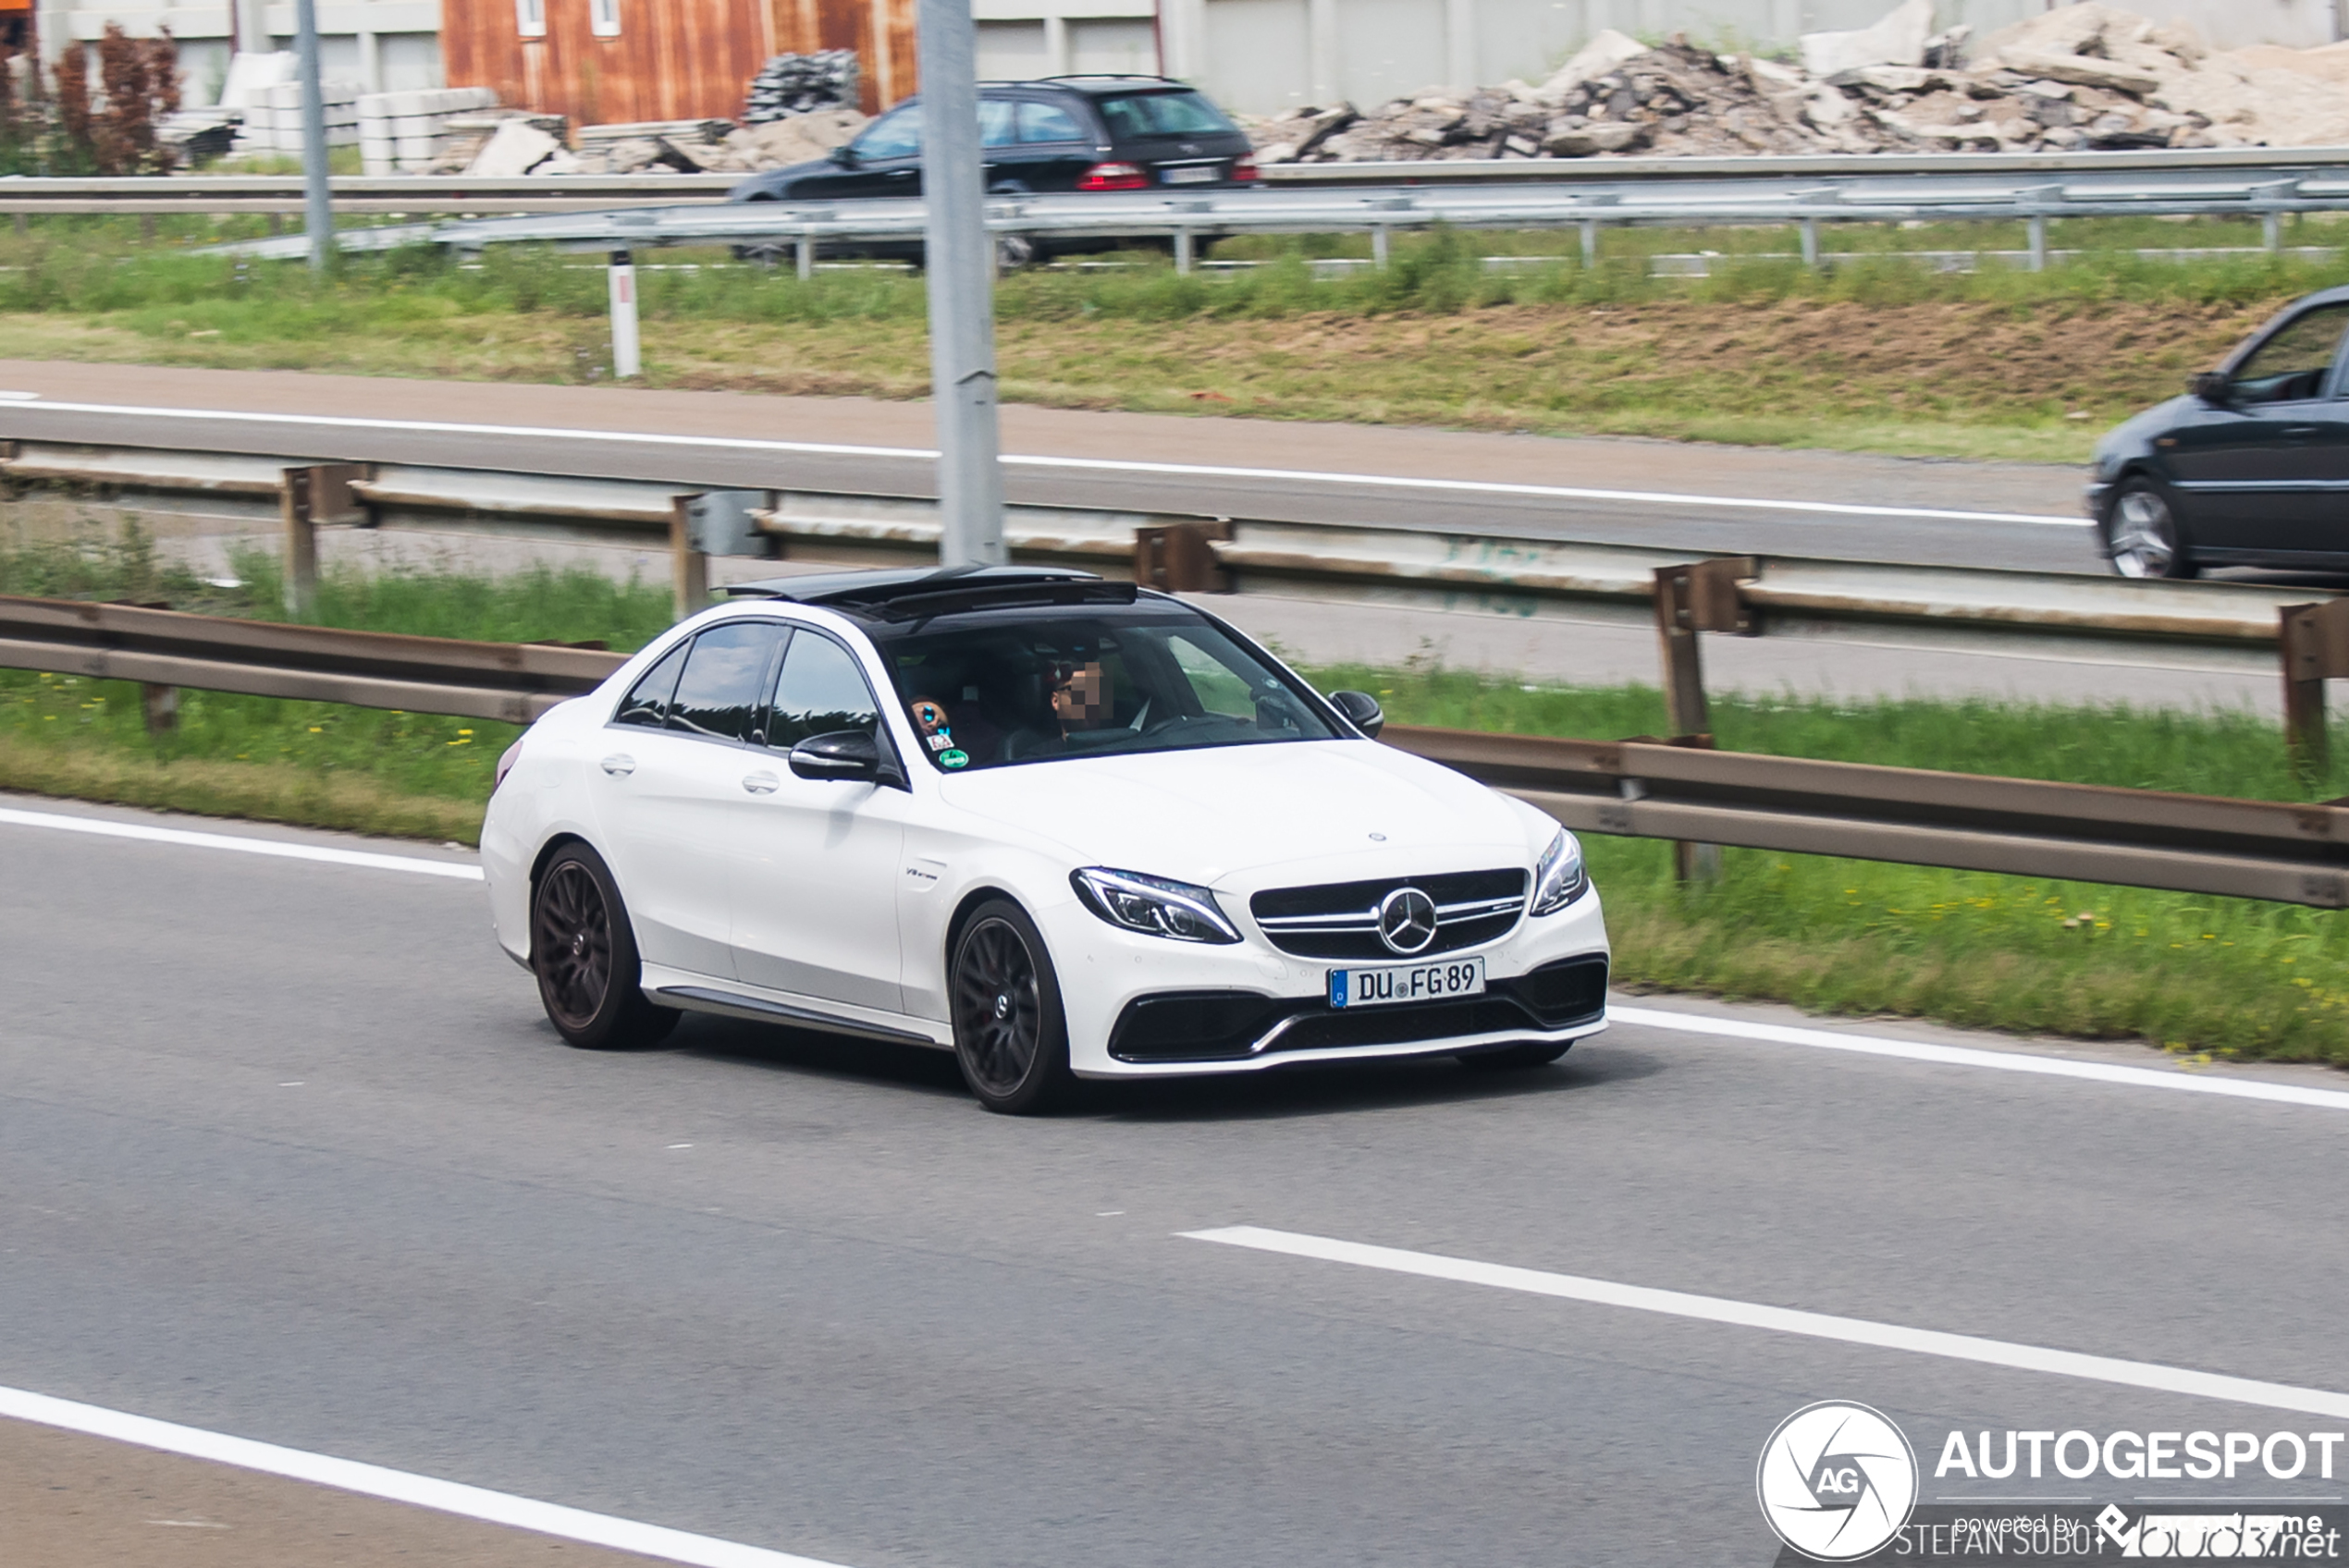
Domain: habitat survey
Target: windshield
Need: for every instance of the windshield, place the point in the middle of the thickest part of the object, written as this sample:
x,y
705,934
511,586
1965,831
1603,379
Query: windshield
x,y
1161,113
995,689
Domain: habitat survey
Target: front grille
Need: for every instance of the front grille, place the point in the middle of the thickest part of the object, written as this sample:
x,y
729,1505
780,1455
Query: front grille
x,y
1340,919
1226,1025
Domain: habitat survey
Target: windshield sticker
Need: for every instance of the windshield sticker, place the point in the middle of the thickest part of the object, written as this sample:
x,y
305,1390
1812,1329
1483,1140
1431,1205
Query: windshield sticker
x,y
953,759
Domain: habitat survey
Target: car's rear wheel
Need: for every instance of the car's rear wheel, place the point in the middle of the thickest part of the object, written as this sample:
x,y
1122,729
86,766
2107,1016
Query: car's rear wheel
x,y
1508,1059
2143,535
1009,1035
583,952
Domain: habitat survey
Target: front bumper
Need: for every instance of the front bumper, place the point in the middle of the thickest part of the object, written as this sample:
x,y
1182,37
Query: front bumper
x,y
1272,1010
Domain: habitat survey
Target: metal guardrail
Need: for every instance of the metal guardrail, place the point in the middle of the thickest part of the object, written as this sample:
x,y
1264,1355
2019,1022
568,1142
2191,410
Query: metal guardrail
x,y
1606,193
424,195
512,681
2133,837
2233,624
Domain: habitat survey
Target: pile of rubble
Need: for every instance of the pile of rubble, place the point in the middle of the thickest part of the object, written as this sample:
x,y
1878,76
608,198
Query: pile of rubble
x,y
800,84
2082,77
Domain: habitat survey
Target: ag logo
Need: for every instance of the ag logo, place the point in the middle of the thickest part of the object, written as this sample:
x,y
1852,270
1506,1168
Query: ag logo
x,y
1837,1481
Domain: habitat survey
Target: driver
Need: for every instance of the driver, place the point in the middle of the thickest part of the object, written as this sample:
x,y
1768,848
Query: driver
x,y
1080,696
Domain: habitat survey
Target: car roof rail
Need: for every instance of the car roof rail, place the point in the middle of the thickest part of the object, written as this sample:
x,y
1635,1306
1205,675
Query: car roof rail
x,y
847,589
1112,76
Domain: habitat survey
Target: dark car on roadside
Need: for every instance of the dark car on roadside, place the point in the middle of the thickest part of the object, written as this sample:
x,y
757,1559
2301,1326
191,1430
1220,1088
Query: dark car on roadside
x,y
1062,134
2249,468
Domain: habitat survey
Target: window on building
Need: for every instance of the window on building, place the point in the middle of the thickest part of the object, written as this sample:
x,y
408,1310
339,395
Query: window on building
x,y
530,17
603,17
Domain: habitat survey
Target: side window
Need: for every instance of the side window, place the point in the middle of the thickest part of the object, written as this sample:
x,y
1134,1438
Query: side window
x,y
725,676
994,122
819,690
647,701
1219,688
895,135
1048,122
2292,365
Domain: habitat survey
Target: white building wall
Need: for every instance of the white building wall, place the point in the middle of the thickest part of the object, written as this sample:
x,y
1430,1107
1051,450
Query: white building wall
x,y
385,46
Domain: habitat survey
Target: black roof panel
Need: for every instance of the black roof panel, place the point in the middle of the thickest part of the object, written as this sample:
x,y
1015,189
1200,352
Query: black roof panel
x,y
854,589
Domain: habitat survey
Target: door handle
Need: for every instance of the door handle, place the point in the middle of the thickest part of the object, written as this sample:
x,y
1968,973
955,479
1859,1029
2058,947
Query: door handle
x,y
2300,432
761,783
619,765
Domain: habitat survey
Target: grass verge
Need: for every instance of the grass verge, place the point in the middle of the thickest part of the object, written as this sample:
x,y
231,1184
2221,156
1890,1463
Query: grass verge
x,y
1880,355
2195,974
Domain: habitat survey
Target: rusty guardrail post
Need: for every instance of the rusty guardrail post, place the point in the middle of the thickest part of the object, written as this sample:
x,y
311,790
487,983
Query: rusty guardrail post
x,y
306,498
1179,558
159,708
2314,643
689,565
1698,597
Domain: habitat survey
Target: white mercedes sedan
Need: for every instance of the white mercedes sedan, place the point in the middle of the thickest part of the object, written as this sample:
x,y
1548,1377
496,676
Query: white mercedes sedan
x,y
1061,826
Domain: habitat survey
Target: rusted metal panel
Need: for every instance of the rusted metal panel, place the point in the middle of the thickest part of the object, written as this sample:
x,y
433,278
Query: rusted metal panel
x,y
673,59
881,31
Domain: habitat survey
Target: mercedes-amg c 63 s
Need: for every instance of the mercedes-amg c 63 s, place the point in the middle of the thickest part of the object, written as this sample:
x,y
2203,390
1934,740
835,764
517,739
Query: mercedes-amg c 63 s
x,y
1061,826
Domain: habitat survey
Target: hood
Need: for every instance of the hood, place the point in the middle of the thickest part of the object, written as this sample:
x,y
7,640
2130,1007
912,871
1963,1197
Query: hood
x,y
1234,813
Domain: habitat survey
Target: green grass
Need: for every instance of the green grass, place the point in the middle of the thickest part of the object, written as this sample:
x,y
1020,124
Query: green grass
x,y
2197,973
1881,355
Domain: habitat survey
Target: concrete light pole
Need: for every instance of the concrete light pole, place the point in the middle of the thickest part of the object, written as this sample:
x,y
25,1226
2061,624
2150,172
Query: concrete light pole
x,y
960,264
318,207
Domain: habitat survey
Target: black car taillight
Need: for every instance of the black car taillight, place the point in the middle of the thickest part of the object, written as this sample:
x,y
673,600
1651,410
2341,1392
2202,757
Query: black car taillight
x,y
1113,177
1244,170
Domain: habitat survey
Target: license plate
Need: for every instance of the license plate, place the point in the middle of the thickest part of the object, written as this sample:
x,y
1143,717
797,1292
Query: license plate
x,y
1391,983
1190,175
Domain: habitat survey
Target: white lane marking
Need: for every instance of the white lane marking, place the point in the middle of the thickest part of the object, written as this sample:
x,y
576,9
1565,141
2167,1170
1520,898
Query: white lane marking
x,y
397,1485
1107,465
1786,1320
1997,1061
180,836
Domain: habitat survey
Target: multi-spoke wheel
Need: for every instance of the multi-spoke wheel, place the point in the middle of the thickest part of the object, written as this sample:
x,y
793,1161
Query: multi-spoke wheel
x,y
1009,1035
2144,537
583,952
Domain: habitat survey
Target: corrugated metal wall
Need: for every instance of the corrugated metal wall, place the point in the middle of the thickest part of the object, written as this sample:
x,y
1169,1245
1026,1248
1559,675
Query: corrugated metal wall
x,y
881,31
673,60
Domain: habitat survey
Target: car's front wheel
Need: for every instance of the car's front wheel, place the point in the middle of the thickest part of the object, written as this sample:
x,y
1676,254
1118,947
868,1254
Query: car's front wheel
x,y
584,951
2143,535
1009,1035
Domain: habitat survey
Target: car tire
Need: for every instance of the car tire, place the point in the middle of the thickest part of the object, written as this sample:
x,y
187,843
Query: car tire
x,y
2142,538
1510,1059
584,951
1015,252
1010,1038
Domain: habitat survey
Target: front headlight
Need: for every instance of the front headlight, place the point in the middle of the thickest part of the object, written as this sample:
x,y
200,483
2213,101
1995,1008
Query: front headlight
x,y
1152,905
1558,878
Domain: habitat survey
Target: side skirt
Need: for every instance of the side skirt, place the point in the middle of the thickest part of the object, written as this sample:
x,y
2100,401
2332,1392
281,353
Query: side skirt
x,y
758,1009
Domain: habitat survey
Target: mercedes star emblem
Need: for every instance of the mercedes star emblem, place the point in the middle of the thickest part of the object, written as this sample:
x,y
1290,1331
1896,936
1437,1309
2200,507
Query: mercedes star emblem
x,y
1407,920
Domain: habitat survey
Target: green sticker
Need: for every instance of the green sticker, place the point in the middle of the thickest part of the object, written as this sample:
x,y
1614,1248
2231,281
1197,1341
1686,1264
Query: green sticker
x,y
954,759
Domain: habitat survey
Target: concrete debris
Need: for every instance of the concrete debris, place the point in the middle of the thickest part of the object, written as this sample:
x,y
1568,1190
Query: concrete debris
x,y
516,148
800,84
2082,77
714,146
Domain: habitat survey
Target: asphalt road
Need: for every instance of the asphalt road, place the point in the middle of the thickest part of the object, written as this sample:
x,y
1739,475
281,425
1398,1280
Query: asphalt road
x,y
1664,494
286,1152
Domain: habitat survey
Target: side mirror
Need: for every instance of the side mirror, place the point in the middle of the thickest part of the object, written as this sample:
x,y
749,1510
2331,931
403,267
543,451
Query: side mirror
x,y
1361,710
844,155
2210,385
848,757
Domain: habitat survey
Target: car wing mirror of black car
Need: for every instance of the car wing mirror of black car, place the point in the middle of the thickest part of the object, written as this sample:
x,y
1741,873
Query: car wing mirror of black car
x,y
2211,385
1361,710
848,757
846,156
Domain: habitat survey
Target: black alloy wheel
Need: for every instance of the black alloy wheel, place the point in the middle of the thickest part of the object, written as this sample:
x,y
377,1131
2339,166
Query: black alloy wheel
x,y
1009,1035
583,952
2143,535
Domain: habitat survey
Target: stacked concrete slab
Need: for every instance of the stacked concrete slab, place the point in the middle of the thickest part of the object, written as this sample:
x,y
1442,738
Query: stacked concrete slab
x,y
401,132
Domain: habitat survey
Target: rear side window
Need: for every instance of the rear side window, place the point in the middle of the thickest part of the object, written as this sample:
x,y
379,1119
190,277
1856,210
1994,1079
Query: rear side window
x,y
819,690
1162,114
647,701
1048,122
994,122
725,677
